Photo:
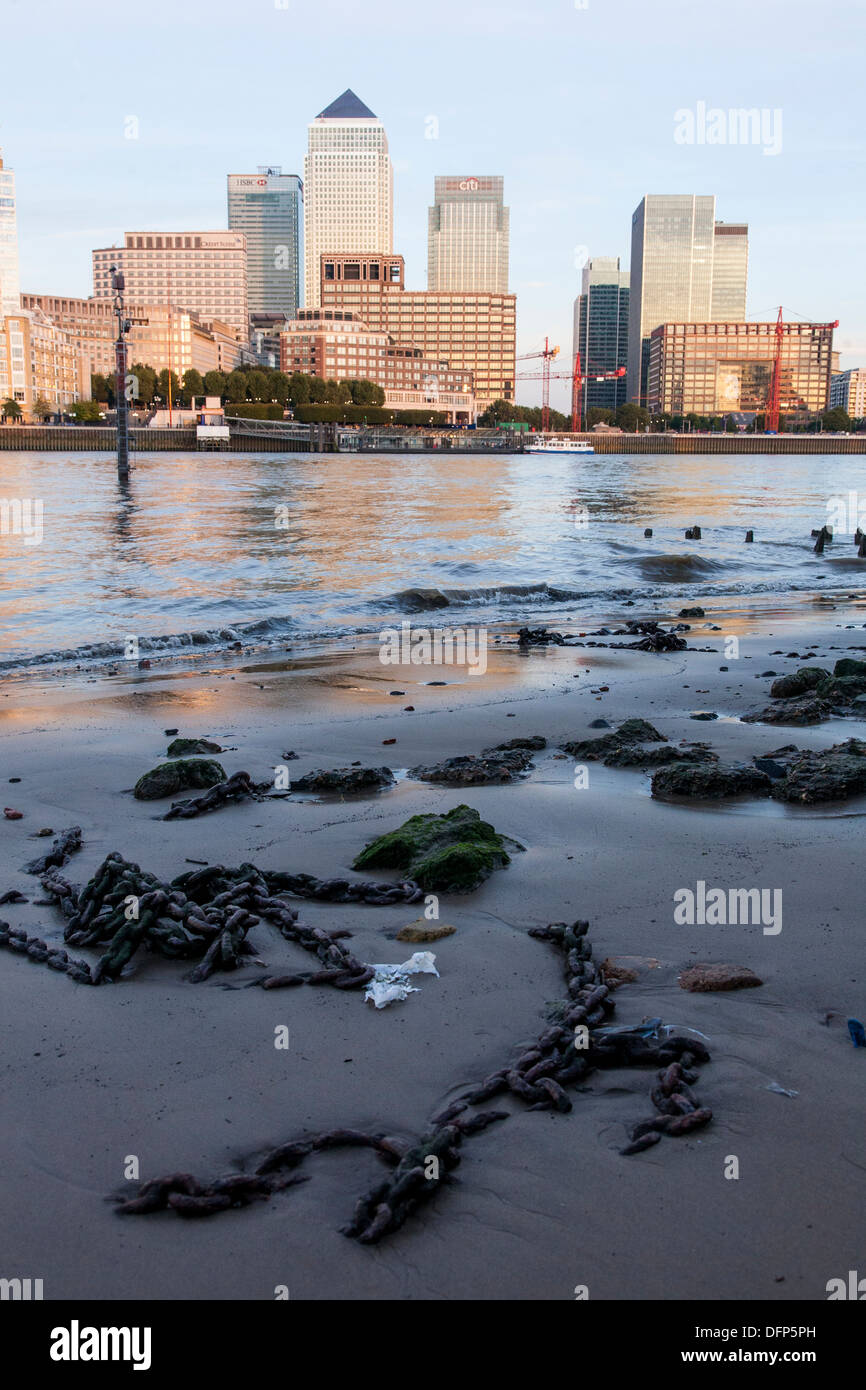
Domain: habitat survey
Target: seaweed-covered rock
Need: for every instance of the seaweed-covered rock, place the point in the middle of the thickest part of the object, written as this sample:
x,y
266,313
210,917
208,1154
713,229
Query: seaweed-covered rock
x,y
344,779
493,765
534,744
692,613
831,775
805,709
539,637
842,690
709,780
178,776
451,853
639,755
629,732
848,666
798,682
186,747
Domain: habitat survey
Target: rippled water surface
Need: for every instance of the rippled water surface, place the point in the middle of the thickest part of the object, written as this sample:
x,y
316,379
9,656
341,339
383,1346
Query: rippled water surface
x,y
193,545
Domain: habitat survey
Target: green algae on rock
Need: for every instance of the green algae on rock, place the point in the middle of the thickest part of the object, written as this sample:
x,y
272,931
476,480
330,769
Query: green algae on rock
x,y
451,853
178,776
185,747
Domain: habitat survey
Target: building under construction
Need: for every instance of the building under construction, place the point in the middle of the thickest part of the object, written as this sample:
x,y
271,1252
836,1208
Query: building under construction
x,y
718,368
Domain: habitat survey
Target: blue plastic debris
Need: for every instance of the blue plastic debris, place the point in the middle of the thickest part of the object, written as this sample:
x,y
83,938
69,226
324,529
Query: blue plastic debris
x,y
857,1031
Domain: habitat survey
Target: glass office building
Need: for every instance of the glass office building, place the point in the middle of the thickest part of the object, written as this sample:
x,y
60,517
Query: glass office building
x,y
467,234
601,331
268,208
674,243
9,289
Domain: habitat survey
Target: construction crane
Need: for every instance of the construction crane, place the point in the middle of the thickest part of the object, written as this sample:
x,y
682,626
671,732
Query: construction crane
x,y
774,395
577,381
547,355
577,377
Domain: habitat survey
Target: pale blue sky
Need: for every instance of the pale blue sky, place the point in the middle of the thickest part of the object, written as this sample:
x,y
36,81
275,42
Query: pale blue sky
x,y
574,106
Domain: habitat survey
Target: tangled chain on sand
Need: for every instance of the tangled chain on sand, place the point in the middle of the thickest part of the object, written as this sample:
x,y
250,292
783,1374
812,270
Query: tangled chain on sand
x,y
202,915
538,1077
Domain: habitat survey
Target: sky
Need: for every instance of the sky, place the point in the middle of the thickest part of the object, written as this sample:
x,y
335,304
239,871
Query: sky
x,y
578,105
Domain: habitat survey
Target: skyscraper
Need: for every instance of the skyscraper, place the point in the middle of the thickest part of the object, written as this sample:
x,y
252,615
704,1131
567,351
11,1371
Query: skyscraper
x,y
467,235
730,271
9,288
674,245
348,188
267,208
601,330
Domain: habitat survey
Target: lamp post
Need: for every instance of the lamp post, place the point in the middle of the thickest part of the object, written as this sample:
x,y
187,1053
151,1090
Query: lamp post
x,y
123,326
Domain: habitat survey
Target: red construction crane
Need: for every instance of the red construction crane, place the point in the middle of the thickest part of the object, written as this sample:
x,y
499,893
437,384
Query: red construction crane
x,y
774,395
547,355
577,381
577,378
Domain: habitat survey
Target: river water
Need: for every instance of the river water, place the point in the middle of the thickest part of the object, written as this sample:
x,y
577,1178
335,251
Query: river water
x,y
203,548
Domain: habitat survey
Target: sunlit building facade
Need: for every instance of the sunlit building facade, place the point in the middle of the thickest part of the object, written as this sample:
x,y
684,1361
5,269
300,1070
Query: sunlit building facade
x,y
9,303
848,390
202,272
474,332
716,368
467,234
40,365
674,243
348,187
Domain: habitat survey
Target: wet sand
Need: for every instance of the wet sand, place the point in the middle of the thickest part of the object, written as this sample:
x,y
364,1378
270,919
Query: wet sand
x,y
187,1076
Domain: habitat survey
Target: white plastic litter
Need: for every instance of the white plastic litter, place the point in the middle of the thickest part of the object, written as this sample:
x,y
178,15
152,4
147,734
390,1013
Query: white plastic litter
x,y
391,982
781,1090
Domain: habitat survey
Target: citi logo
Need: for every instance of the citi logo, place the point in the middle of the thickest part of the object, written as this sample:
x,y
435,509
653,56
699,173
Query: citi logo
x,y
20,1289
855,1288
76,1343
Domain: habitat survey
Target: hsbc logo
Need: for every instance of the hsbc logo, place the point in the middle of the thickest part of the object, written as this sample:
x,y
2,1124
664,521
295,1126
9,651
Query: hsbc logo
x,y
468,185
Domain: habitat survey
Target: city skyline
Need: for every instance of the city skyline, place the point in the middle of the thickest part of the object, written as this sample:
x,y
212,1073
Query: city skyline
x,y
158,155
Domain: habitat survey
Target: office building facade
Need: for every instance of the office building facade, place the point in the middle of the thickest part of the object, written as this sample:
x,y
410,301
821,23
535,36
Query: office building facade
x,y
9,288
673,249
848,390
718,368
474,332
39,362
267,207
339,347
467,235
601,331
204,273
348,187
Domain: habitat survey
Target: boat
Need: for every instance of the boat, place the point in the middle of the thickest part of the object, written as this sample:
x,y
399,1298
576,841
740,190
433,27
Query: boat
x,y
541,445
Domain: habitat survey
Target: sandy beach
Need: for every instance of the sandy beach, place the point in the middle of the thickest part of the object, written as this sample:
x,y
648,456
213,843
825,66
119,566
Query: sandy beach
x,y
187,1077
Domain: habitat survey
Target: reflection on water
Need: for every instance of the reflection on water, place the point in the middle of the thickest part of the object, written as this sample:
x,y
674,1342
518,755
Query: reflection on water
x,y
193,543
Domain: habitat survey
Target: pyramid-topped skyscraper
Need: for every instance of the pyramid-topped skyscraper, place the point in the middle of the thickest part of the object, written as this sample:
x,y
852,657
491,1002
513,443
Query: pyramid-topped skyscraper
x,y
348,187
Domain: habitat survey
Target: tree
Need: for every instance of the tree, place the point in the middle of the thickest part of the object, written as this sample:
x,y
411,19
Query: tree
x,y
630,417
193,385
280,387
214,383
41,408
86,412
236,386
837,419
102,388
162,387
299,388
146,378
366,393
597,415
258,386
10,410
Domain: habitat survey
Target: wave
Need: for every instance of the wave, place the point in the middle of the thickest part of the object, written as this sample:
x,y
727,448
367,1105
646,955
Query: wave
x,y
172,642
677,569
423,600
